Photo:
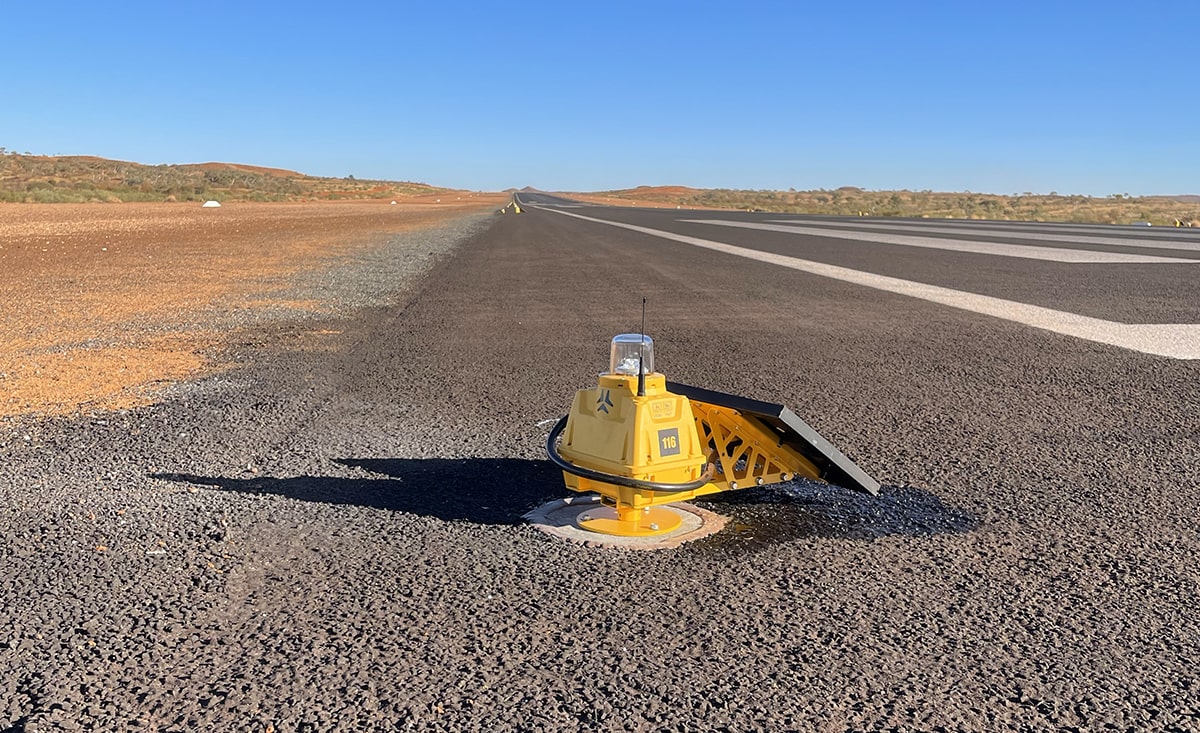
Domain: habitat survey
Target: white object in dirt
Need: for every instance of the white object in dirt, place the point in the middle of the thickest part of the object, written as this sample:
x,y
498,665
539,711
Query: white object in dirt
x,y
211,205
393,203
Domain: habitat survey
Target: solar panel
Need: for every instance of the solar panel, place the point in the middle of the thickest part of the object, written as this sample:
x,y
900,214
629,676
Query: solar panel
x,y
832,465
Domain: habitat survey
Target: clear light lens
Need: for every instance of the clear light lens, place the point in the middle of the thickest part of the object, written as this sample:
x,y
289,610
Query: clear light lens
x,y
627,349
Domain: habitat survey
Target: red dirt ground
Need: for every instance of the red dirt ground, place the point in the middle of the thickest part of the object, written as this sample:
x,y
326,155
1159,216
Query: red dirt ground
x,y
102,303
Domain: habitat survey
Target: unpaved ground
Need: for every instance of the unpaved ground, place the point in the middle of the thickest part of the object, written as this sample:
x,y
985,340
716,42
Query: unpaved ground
x,y
101,305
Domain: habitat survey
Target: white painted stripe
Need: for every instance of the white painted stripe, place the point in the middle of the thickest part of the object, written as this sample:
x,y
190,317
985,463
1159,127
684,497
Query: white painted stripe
x,y
1113,241
1177,341
1100,230
1029,252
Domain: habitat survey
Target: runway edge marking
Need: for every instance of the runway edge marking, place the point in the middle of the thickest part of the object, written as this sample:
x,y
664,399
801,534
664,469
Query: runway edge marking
x,y
1175,341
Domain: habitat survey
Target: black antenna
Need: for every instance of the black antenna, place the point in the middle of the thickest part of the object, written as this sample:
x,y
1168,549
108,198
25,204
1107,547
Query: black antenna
x,y
642,353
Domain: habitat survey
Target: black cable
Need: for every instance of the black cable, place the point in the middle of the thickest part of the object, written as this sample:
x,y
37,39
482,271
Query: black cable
x,y
610,478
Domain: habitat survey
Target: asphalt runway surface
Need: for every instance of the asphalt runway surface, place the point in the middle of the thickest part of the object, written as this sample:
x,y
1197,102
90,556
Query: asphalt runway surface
x,y
329,536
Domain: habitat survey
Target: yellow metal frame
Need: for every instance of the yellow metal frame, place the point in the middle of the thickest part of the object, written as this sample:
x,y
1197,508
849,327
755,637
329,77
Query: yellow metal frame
x,y
665,438
748,453
650,437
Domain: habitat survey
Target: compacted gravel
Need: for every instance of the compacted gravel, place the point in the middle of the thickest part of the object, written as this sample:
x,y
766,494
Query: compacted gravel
x,y
328,536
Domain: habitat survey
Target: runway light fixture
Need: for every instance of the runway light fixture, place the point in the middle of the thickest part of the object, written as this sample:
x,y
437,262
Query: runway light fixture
x,y
642,446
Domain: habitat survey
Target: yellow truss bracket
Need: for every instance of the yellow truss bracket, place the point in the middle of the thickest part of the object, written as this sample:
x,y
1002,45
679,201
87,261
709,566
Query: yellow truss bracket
x,y
748,452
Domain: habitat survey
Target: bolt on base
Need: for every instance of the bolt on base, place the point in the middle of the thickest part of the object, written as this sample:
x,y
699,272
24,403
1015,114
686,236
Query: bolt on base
x,y
626,522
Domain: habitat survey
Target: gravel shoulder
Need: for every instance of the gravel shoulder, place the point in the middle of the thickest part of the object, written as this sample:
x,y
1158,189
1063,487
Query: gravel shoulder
x,y
105,304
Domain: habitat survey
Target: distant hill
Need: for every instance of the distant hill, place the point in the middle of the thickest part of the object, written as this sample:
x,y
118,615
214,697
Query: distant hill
x,y
656,193
85,178
854,201
280,172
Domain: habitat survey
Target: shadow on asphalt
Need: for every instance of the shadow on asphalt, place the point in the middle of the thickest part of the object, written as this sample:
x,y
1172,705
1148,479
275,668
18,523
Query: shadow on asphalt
x,y
479,490
801,509
500,490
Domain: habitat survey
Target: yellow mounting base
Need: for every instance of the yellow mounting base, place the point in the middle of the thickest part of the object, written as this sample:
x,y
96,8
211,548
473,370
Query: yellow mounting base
x,y
645,522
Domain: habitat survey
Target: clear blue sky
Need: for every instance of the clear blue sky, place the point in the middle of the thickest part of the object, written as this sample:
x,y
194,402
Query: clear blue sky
x,y
1076,97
